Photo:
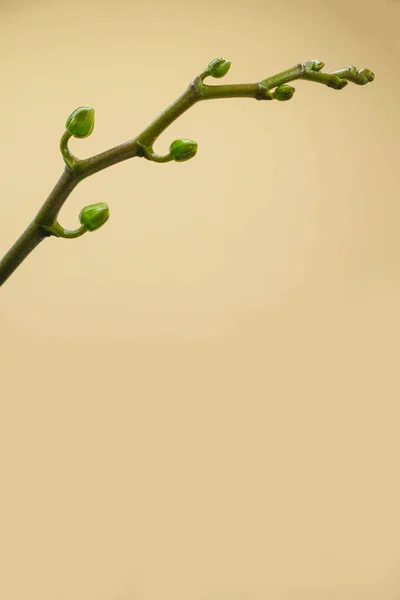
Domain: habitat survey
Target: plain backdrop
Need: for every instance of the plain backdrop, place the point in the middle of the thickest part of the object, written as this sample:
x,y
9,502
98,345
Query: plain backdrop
x,y
201,401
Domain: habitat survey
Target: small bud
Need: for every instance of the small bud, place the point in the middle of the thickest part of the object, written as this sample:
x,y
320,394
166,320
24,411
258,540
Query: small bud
x,y
263,92
219,67
94,216
337,83
364,76
183,149
317,65
284,92
81,122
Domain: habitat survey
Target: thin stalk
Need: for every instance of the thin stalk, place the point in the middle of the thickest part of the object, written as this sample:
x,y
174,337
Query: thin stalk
x,y
43,225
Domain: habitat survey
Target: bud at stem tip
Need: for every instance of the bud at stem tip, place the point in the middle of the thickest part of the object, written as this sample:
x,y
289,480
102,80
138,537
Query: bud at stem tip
x,y
183,149
94,216
284,92
80,123
219,67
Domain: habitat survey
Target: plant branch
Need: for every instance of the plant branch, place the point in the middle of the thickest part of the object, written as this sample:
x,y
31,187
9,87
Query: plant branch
x,y
81,121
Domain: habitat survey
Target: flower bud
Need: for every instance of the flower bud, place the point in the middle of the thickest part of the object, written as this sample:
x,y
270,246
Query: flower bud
x,y
364,76
317,65
81,122
284,92
263,92
183,149
219,67
337,83
94,216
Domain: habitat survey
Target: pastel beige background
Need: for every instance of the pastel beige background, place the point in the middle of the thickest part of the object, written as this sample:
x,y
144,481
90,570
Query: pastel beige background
x,y
201,401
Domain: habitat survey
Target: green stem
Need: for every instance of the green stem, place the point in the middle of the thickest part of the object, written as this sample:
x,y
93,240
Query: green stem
x,y
34,234
150,155
69,158
45,223
328,79
59,231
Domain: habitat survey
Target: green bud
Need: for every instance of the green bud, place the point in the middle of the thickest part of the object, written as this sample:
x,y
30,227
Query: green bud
x,y
337,83
219,67
284,92
94,216
363,76
81,122
183,149
263,92
317,65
